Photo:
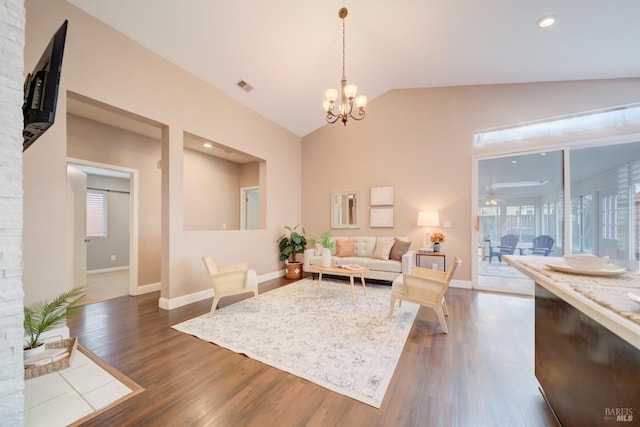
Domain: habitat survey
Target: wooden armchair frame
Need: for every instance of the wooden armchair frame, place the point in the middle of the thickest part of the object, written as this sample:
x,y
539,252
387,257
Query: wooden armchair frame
x,y
425,287
230,280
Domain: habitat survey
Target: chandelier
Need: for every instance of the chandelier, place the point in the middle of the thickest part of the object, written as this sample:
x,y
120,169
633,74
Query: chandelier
x,y
347,93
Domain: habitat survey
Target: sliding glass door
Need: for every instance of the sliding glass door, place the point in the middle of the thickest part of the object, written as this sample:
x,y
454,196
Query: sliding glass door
x,y
520,205
521,199
605,202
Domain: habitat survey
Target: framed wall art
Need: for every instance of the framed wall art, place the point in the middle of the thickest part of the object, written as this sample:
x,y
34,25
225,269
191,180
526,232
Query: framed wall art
x,y
381,196
381,217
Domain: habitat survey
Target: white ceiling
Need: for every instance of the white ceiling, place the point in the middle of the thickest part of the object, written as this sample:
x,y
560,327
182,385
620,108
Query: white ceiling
x,y
290,50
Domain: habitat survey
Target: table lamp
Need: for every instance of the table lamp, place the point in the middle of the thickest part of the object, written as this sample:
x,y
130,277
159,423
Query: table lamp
x,y
428,219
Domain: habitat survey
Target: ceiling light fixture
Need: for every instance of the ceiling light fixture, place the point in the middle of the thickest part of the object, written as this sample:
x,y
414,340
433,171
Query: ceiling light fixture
x,y
546,21
517,184
207,145
347,91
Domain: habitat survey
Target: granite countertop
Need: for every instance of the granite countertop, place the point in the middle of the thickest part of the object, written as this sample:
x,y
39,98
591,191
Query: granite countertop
x,y
604,299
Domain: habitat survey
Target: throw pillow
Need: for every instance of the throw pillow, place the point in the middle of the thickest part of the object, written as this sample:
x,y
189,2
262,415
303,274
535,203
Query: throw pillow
x,y
383,247
400,247
345,248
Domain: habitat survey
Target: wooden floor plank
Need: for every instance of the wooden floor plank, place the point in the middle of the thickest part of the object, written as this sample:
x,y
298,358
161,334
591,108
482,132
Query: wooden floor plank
x,y
481,373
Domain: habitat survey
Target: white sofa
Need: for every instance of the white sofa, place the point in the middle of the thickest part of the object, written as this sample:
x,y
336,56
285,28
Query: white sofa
x,y
365,246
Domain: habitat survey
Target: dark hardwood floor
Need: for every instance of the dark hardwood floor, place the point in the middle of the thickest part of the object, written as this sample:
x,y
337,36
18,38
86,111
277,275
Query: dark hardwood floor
x,y
480,374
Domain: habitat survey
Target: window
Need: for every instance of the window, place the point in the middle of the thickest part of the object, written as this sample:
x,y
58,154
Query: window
x,y
609,217
96,214
582,224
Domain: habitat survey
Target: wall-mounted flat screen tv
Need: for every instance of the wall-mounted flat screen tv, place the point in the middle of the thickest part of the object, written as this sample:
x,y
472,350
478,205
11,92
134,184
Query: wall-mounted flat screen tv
x,y
41,89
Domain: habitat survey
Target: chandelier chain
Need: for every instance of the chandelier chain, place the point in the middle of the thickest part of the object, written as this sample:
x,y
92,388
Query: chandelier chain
x,y
343,51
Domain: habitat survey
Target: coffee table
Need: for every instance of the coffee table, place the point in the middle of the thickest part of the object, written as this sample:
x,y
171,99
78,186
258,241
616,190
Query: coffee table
x,y
339,271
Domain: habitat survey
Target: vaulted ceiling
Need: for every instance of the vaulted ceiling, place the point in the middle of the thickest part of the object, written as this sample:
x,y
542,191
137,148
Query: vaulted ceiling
x,y
290,51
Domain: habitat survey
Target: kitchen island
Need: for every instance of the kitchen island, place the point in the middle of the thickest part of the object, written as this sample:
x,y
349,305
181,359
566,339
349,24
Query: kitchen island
x,y
587,343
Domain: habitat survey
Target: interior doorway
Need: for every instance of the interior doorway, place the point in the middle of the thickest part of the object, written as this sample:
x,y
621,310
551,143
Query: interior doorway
x,y
102,229
250,208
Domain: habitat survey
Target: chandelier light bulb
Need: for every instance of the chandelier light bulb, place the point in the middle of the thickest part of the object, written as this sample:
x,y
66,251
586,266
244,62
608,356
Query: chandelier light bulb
x,y
331,94
327,105
361,101
350,91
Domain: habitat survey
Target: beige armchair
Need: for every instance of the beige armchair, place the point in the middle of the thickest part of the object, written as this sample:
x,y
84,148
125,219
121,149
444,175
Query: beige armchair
x,y
425,287
230,280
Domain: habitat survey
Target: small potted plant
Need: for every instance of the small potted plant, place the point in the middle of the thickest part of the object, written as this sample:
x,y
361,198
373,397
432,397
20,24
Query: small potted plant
x,y
325,241
437,238
291,244
39,317
328,247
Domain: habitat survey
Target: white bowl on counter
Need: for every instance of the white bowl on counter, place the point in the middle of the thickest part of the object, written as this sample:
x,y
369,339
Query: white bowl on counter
x,y
587,262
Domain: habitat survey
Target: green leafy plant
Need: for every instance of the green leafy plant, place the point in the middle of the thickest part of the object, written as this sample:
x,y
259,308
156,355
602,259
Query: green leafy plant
x,y
325,241
42,315
292,243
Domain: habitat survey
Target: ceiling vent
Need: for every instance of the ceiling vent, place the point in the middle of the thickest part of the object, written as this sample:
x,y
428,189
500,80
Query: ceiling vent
x,y
244,86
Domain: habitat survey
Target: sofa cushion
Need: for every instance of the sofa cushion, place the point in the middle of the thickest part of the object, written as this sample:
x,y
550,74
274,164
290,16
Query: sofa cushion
x,y
400,247
385,265
365,245
361,261
345,248
383,247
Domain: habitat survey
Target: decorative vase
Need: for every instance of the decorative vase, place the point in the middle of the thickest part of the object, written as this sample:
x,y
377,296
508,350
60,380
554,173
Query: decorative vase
x,y
326,257
436,247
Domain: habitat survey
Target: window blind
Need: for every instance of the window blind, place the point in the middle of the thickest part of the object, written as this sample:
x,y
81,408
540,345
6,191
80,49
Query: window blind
x,y
96,214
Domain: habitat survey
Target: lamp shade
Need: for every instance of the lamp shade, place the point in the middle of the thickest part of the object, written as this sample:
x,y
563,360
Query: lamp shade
x,y
428,219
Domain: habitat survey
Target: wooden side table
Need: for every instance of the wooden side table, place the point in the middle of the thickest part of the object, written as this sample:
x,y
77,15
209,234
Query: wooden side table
x,y
436,254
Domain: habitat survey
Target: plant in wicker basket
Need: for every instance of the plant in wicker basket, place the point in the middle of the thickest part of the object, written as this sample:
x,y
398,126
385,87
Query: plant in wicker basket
x,y
290,245
42,315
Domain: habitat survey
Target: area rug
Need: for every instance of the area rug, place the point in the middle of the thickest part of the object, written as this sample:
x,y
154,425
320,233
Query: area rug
x,y
321,336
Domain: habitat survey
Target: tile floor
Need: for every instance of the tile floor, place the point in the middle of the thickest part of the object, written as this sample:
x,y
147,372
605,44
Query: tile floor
x,y
501,277
104,286
60,398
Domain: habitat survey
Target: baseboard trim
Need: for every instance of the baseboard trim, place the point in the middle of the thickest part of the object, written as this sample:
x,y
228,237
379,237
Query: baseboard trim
x,y
145,289
107,270
171,303
464,284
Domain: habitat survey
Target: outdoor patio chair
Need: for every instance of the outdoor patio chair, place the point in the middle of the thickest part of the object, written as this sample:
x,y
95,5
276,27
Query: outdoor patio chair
x,y
542,245
507,246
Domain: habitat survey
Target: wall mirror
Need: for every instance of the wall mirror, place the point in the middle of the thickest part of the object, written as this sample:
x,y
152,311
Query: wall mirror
x,y
345,209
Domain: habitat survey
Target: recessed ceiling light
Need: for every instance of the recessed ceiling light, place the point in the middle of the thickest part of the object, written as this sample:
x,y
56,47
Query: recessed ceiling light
x,y
543,154
546,21
207,145
514,161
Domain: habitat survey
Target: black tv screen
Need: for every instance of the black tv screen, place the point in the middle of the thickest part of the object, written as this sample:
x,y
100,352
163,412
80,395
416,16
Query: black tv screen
x,y
41,89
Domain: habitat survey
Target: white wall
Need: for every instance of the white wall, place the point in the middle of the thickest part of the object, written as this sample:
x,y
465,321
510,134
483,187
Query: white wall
x,y
11,295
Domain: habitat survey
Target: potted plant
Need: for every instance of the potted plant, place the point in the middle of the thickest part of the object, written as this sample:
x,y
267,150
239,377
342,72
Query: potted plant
x,y
328,247
291,244
39,317
325,241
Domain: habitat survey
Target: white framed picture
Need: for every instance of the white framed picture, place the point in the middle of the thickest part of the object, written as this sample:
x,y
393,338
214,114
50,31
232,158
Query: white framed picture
x,y
381,196
381,217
